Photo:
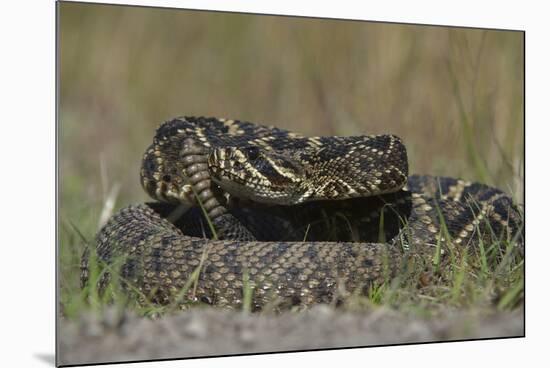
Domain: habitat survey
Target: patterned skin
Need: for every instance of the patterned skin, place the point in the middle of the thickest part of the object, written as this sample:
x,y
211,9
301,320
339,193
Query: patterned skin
x,y
265,190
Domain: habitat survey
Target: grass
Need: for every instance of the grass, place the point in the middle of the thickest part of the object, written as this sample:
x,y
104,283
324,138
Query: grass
x,y
454,95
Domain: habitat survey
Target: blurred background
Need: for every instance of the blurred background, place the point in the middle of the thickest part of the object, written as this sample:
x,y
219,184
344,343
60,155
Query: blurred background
x,y
455,96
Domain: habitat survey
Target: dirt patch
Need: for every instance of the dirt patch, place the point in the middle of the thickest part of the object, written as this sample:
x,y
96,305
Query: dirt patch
x,y
208,332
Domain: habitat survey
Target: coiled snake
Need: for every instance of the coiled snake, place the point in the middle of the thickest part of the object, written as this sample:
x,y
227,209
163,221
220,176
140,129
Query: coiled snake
x,y
293,220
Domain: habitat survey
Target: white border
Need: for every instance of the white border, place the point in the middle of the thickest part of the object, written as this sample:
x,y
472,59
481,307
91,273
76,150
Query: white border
x,y
464,13
27,185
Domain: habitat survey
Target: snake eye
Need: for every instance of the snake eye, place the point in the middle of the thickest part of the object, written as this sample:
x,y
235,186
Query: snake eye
x,y
252,152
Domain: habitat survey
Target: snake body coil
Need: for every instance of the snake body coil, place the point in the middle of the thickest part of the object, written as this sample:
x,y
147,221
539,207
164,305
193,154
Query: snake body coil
x,y
297,220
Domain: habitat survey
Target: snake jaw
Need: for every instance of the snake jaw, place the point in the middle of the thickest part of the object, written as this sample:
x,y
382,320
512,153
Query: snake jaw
x,y
257,174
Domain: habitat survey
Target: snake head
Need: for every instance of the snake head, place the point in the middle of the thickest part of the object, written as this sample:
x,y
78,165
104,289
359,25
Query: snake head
x,y
258,174
333,168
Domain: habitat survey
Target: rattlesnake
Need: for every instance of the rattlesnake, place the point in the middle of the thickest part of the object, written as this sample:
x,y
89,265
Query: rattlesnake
x,y
287,219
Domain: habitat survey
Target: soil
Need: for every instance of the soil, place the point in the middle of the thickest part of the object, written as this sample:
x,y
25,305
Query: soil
x,y
110,337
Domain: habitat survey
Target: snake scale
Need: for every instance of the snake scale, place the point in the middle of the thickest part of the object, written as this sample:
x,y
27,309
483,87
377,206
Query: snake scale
x,y
291,220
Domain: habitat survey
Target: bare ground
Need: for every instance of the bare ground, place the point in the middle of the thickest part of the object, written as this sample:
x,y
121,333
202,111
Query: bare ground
x,y
210,332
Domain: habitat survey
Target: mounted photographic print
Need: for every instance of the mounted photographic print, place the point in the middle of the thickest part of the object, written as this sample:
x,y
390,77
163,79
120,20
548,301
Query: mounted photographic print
x,y
235,183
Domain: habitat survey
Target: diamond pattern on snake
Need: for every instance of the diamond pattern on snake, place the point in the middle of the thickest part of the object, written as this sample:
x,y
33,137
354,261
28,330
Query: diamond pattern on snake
x,y
297,220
